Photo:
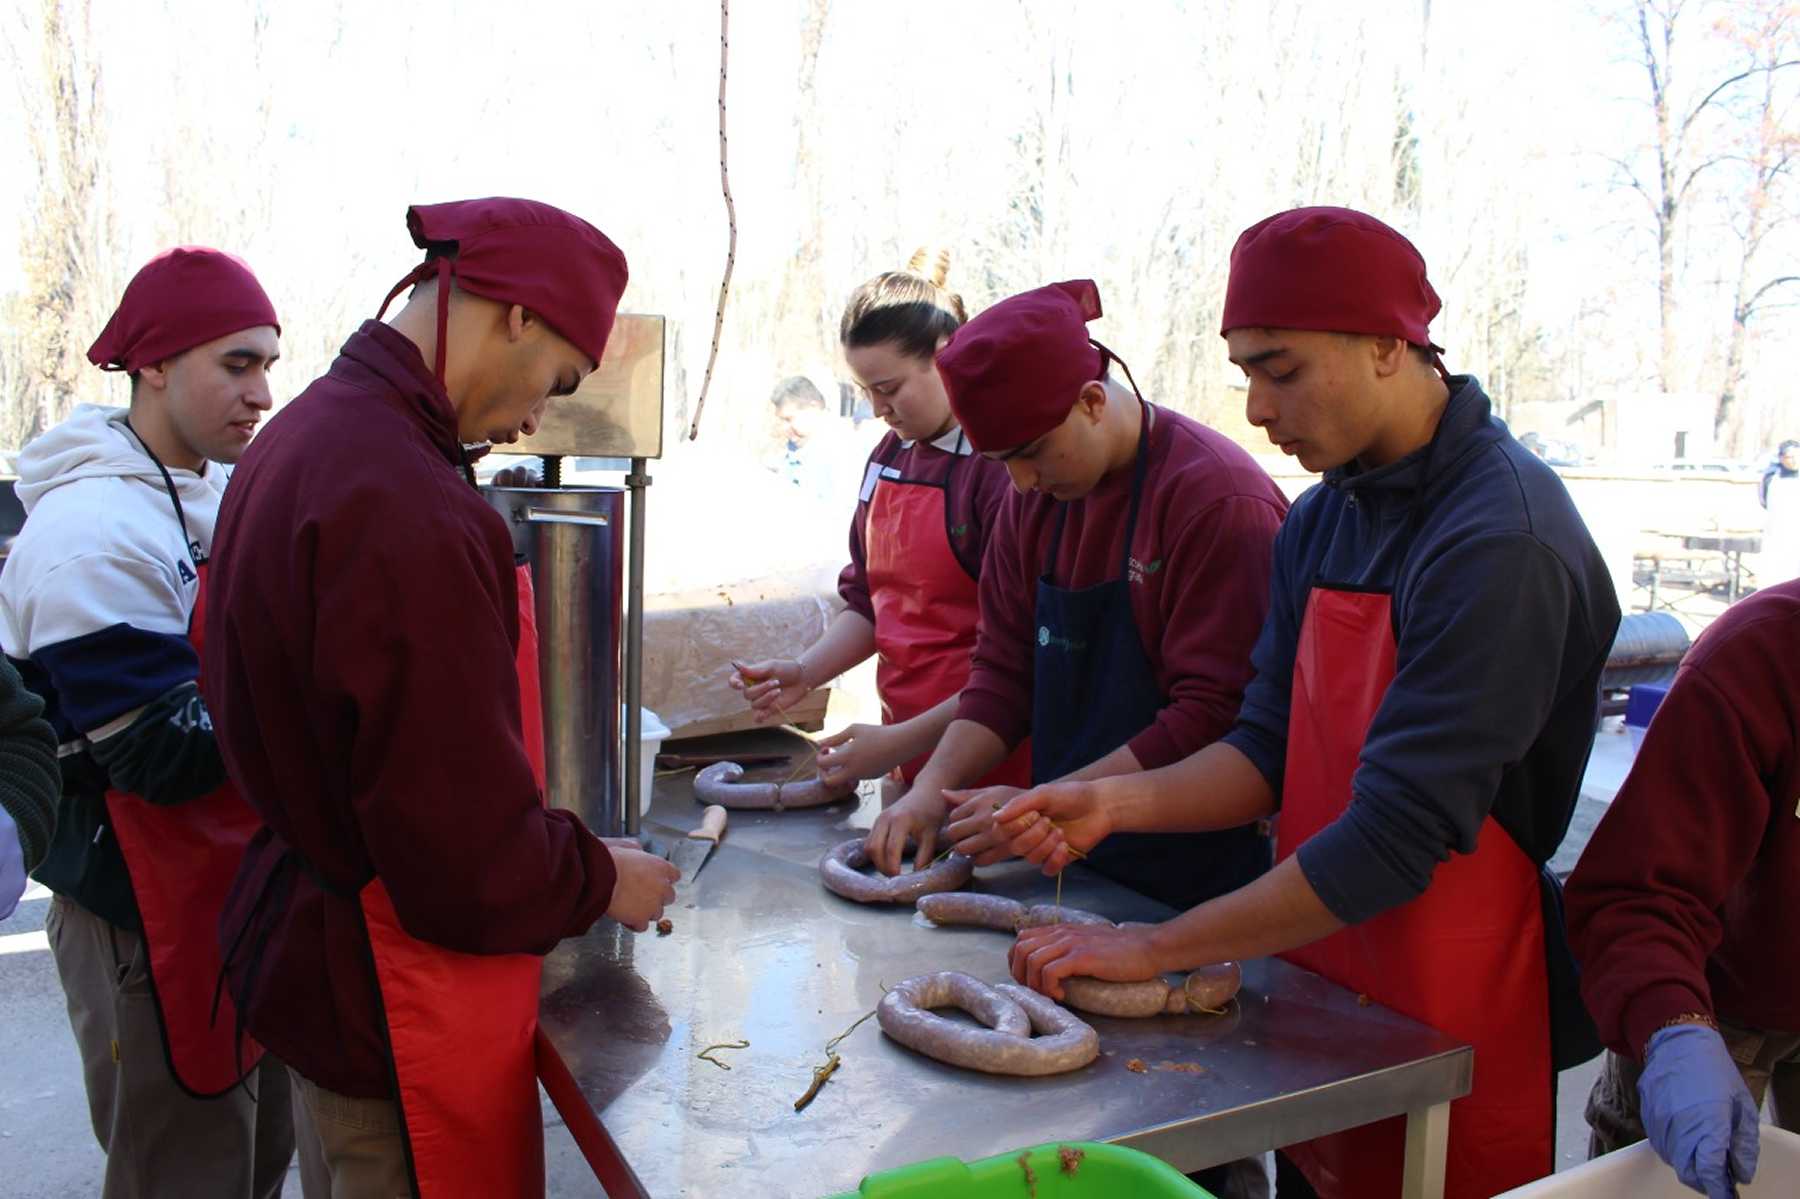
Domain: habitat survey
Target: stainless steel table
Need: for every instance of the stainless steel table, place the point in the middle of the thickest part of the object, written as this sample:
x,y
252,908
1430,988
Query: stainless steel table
x,y
761,952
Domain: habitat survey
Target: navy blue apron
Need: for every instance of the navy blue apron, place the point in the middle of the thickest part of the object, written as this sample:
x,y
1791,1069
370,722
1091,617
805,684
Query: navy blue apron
x,y
1095,689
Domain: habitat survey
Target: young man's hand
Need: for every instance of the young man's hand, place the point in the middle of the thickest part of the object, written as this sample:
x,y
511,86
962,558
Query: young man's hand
x,y
645,886
972,827
916,817
1054,824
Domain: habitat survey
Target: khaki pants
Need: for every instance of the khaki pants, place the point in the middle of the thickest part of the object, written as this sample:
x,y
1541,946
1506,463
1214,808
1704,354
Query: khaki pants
x,y
159,1140
1769,1062
349,1148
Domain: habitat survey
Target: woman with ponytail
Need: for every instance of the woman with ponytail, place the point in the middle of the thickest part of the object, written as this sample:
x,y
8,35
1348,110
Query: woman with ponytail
x,y
920,527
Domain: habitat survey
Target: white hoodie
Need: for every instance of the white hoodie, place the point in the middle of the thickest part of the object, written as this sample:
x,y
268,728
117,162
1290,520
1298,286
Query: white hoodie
x,y
101,545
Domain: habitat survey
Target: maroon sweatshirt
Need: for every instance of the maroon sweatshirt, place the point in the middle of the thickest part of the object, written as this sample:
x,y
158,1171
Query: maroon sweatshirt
x,y
1199,581
976,487
1687,899
361,621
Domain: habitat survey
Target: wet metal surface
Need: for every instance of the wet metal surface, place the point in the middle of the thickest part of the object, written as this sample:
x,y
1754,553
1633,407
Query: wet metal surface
x,y
762,952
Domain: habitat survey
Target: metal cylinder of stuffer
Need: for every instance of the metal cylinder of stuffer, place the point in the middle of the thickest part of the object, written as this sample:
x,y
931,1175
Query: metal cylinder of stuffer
x,y
1647,649
574,539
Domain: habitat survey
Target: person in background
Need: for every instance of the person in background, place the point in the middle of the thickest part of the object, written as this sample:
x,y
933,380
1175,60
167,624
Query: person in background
x,y
101,604
922,523
1426,689
1785,466
376,685
1780,496
29,785
799,412
1684,908
811,447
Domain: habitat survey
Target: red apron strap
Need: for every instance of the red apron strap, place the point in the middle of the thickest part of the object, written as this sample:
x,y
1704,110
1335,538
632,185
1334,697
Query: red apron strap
x,y
412,277
1465,958
444,272
531,703
443,267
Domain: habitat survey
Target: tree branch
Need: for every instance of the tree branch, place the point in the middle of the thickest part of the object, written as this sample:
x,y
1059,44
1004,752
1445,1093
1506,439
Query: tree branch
x,y
1749,308
1633,182
1681,192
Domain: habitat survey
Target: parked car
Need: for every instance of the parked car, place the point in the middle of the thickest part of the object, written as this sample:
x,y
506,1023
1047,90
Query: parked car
x,y
1731,468
1555,451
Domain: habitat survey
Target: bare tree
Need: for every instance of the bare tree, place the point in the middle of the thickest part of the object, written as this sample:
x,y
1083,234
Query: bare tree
x,y
1764,204
1689,141
1666,190
803,296
65,250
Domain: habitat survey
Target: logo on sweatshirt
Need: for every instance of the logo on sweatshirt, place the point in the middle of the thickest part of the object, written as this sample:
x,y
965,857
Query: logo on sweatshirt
x,y
959,531
1137,571
185,571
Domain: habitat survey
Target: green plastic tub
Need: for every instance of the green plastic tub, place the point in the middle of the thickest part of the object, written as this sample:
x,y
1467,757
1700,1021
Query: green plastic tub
x,y
1102,1170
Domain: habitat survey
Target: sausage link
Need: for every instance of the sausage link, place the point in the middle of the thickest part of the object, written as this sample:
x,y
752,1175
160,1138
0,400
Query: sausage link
x,y
971,907
1104,998
1006,1046
719,784
841,872
1048,913
1212,987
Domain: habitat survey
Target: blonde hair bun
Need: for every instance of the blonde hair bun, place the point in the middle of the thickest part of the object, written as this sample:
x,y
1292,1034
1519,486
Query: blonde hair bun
x,y
931,263
910,308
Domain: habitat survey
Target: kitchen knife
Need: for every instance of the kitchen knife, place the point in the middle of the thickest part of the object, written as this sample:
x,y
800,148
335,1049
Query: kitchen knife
x,y
690,854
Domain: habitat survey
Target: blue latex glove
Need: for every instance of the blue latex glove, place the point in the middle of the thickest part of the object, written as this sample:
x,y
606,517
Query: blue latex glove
x,y
12,865
1696,1110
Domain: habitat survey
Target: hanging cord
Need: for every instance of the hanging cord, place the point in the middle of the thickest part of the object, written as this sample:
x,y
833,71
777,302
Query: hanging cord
x,y
712,357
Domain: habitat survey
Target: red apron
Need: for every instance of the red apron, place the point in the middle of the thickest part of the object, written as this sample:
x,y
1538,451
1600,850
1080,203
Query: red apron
x,y
926,605
1466,957
182,859
462,1027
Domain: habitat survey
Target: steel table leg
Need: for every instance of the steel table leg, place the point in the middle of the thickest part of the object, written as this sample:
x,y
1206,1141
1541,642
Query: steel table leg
x,y
1427,1138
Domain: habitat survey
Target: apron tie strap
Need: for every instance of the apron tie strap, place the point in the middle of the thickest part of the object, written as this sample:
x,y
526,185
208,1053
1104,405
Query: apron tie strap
x,y
271,900
444,273
443,267
412,277
258,928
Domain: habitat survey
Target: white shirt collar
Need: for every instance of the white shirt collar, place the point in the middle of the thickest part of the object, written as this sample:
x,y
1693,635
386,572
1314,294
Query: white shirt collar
x,y
952,442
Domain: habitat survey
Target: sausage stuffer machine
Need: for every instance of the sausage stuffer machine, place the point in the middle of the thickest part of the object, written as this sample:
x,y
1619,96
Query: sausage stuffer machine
x,y
571,535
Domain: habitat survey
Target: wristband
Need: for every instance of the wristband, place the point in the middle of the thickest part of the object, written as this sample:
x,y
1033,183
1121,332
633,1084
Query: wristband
x,y
1703,1019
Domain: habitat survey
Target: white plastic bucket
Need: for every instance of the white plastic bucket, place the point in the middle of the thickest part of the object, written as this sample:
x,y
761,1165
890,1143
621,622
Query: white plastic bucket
x,y
654,733
1637,1173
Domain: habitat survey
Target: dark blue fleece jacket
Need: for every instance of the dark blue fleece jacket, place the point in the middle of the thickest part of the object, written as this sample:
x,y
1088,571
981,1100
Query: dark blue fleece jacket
x,y
1503,613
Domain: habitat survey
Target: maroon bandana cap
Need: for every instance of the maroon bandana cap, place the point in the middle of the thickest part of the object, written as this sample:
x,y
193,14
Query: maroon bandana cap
x,y
182,298
1014,371
520,252
1331,270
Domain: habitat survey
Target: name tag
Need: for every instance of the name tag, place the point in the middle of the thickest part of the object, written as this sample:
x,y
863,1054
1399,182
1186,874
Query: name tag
x,y
870,477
